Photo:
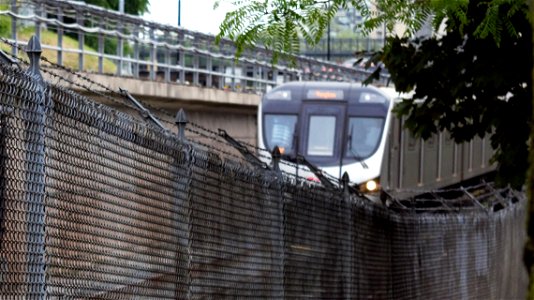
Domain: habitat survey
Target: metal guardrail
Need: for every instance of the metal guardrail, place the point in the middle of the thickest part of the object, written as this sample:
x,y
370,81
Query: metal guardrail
x,y
143,49
343,48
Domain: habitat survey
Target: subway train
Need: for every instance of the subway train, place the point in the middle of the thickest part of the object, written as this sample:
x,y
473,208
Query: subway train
x,y
324,129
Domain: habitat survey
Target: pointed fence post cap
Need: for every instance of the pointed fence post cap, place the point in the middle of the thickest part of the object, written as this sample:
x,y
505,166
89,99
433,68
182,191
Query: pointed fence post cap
x,y
181,117
345,180
34,50
34,45
276,154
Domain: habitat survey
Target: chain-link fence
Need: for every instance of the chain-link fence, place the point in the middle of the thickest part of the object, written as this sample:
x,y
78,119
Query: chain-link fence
x,y
96,204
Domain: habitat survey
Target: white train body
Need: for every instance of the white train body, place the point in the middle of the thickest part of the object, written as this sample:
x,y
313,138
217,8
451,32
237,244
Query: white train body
x,y
338,127
347,127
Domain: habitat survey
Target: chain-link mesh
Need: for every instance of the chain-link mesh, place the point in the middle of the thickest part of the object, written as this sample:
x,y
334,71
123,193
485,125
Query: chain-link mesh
x,y
95,204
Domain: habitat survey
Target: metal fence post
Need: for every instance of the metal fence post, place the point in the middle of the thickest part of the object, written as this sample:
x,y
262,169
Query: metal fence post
x,y
276,155
279,186
347,241
33,154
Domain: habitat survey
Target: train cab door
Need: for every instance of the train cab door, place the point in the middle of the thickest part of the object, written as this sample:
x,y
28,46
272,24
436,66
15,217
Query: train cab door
x,y
322,128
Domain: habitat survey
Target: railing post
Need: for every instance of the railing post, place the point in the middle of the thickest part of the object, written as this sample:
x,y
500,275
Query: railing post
x,y
153,55
14,49
120,48
81,40
38,13
222,71
233,81
209,68
275,75
261,74
136,52
195,67
100,51
255,77
167,58
181,122
60,37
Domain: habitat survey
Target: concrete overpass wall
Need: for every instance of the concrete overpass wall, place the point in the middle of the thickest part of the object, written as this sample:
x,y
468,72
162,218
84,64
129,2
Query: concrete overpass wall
x,y
209,108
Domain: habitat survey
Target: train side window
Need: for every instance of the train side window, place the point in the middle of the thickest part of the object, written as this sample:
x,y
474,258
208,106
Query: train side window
x,y
279,131
321,134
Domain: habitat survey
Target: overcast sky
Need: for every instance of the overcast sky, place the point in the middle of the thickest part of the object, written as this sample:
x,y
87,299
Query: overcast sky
x,y
196,15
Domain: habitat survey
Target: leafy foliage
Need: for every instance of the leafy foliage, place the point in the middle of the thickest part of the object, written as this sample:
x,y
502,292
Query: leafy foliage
x,y
470,84
279,24
276,24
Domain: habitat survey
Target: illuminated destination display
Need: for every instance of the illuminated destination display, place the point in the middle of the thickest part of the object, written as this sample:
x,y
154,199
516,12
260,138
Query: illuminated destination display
x,y
325,94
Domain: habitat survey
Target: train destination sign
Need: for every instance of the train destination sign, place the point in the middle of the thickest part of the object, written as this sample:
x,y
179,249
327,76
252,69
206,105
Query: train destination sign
x,y
325,94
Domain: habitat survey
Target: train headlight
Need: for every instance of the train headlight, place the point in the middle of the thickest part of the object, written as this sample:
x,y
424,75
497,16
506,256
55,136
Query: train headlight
x,y
370,186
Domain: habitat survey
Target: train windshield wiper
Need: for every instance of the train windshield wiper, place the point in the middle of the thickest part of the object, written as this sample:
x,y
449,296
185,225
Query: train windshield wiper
x,y
353,151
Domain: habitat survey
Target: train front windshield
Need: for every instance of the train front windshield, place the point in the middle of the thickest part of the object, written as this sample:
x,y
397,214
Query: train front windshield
x,y
279,131
328,123
364,136
321,144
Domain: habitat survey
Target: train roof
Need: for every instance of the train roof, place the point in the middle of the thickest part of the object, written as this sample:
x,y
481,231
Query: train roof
x,y
319,85
355,93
